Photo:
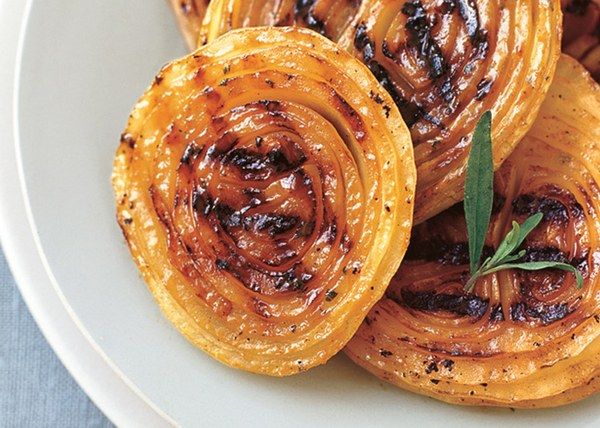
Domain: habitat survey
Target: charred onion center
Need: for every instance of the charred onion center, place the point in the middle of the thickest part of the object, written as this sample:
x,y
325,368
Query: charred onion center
x,y
261,197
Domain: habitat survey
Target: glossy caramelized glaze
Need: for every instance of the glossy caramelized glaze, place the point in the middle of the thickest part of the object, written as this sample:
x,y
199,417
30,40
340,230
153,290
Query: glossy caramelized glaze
x,y
266,195
189,14
521,339
444,62
581,27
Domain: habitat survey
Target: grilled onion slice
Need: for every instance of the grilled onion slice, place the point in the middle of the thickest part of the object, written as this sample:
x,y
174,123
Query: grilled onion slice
x,y
189,14
330,18
581,27
266,196
522,339
443,62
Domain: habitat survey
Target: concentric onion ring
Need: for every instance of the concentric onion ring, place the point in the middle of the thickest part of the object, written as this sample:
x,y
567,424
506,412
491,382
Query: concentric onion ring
x,y
189,14
265,191
581,28
522,339
443,62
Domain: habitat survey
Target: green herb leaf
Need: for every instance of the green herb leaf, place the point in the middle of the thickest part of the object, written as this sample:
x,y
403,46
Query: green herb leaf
x,y
527,226
515,238
479,196
479,192
532,266
508,244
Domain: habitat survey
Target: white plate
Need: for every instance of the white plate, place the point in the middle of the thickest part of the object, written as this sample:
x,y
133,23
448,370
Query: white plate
x,y
120,401
83,65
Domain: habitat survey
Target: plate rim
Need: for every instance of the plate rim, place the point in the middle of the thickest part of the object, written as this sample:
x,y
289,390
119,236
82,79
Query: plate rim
x,y
103,382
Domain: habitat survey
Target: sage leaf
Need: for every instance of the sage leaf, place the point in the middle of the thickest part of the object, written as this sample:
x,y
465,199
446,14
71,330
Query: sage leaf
x,y
479,193
527,226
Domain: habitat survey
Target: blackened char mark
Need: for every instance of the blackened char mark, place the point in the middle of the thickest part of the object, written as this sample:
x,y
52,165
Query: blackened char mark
x,y
273,107
549,314
190,154
303,6
546,314
314,23
294,279
304,10
483,88
363,43
517,312
419,28
255,165
201,202
411,112
127,138
452,254
468,12
479,40
545,254
459,304
227,216
448,364
496,314
431,367
552,209
274,224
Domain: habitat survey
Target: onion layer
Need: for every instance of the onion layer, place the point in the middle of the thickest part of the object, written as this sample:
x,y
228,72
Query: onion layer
x,y
522,339
444,64
265,188
189,14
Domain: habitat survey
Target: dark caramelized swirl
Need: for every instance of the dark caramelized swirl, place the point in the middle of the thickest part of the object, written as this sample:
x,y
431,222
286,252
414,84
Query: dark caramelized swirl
x,y
266,197
521,339
444,62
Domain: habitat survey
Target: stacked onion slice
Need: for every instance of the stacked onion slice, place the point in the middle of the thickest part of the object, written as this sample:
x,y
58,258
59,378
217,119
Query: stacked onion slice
x,y
189,14
581,27
443,62
265,188
521,339
330,18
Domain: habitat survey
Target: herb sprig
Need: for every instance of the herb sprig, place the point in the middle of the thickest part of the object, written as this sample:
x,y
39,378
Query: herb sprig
x,y
479,197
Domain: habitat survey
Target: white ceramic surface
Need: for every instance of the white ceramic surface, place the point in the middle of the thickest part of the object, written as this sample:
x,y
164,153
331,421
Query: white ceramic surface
x,y
83,65
123,404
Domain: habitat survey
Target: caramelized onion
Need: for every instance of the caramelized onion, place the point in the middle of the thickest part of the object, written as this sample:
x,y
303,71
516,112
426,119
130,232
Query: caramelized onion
x,y
189,14
330,18
443,62
265,188
521,339
581,27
